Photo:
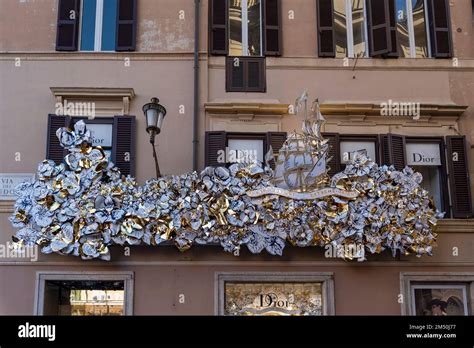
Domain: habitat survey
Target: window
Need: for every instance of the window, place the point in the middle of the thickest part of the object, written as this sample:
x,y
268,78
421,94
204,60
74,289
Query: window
x,y
262,294
82,294
96,25
104,131
388,28
430,156
225,148
437,294
245,28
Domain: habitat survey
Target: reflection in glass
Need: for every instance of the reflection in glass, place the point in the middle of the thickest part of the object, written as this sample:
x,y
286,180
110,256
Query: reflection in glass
x,y
254,28
340,28
431,182
402,29
358,28
419,24
235,28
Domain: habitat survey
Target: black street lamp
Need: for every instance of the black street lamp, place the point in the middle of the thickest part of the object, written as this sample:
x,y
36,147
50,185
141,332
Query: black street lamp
x,y
154,114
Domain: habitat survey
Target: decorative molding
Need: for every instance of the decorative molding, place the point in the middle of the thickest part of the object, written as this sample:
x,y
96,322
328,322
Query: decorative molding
x,y
455,226
246,108
110,101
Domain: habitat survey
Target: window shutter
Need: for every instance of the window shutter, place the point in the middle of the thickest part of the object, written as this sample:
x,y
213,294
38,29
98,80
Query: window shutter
x,y
54,151
245,74
393,29
394,151
272,20
459,177
67,25
440,29
276,141
126,25
123,149
380,41
326,35
215,142
334,153
218,40
384,149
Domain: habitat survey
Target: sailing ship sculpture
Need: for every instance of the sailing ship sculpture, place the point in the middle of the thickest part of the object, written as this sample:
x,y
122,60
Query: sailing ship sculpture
x,y
301,162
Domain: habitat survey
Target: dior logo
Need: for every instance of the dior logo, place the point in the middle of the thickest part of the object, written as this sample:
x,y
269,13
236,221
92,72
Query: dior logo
x,y
420,158
273,300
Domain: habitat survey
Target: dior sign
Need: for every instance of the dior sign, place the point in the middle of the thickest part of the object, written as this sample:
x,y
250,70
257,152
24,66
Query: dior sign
x,y
423,155
267,300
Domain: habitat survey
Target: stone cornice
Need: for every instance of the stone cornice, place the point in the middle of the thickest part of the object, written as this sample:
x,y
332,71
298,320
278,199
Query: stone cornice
x,y
242,108
92,92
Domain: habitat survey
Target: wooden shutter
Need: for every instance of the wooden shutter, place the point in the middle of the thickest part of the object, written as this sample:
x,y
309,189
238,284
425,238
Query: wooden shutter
x,y
440,29
378,12
215,142
67,25
126,25
272,29
123,144
334,153
218,40
245,74
393,148
276,141
54,151
393,29
326,35
459,177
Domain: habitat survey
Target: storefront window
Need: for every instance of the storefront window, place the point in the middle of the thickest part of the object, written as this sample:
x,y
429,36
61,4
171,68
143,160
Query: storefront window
x,y
245,150
273,299
439,299
350,148
83,298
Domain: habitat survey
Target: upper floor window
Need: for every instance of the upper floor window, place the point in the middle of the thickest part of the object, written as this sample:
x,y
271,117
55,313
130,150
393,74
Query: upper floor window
x,y
96,25
390,28
245,28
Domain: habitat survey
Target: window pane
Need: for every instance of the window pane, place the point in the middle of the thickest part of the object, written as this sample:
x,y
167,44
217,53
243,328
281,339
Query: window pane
x,y
254,28
402,29
245,150
358,28
109,25
84,298
432,183
88,25
340,28
235,28
440,299
349,148
419,24
273,299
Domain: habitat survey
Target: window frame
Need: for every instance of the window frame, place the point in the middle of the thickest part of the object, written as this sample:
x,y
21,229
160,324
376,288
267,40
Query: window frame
x,y
99,15
43,276
360,138
246,136
325,278
245,29
435,278
411,28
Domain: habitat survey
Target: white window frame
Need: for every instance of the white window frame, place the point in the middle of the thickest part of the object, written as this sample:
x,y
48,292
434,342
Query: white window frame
x,y
99,16
245,29
350,31
43,276
411,28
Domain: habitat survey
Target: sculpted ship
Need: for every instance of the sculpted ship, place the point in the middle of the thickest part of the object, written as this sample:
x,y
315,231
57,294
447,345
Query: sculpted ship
x,y
301,162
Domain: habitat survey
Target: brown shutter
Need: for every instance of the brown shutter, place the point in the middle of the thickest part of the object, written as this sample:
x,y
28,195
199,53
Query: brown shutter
x,y
245,74
378,12
67,27
276,141
393,29
272,20
218,40
459,176
54,151
334,153
384,150
215,142
326,35
397,150
440,29
123,144
126,25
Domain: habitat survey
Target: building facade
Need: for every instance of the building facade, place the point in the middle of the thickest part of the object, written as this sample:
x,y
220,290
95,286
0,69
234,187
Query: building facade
x,y
394,78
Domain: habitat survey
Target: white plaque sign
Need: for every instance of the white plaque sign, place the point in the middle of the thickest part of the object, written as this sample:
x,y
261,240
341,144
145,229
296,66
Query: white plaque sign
x,y
349,148
101,134
423,155
8,182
